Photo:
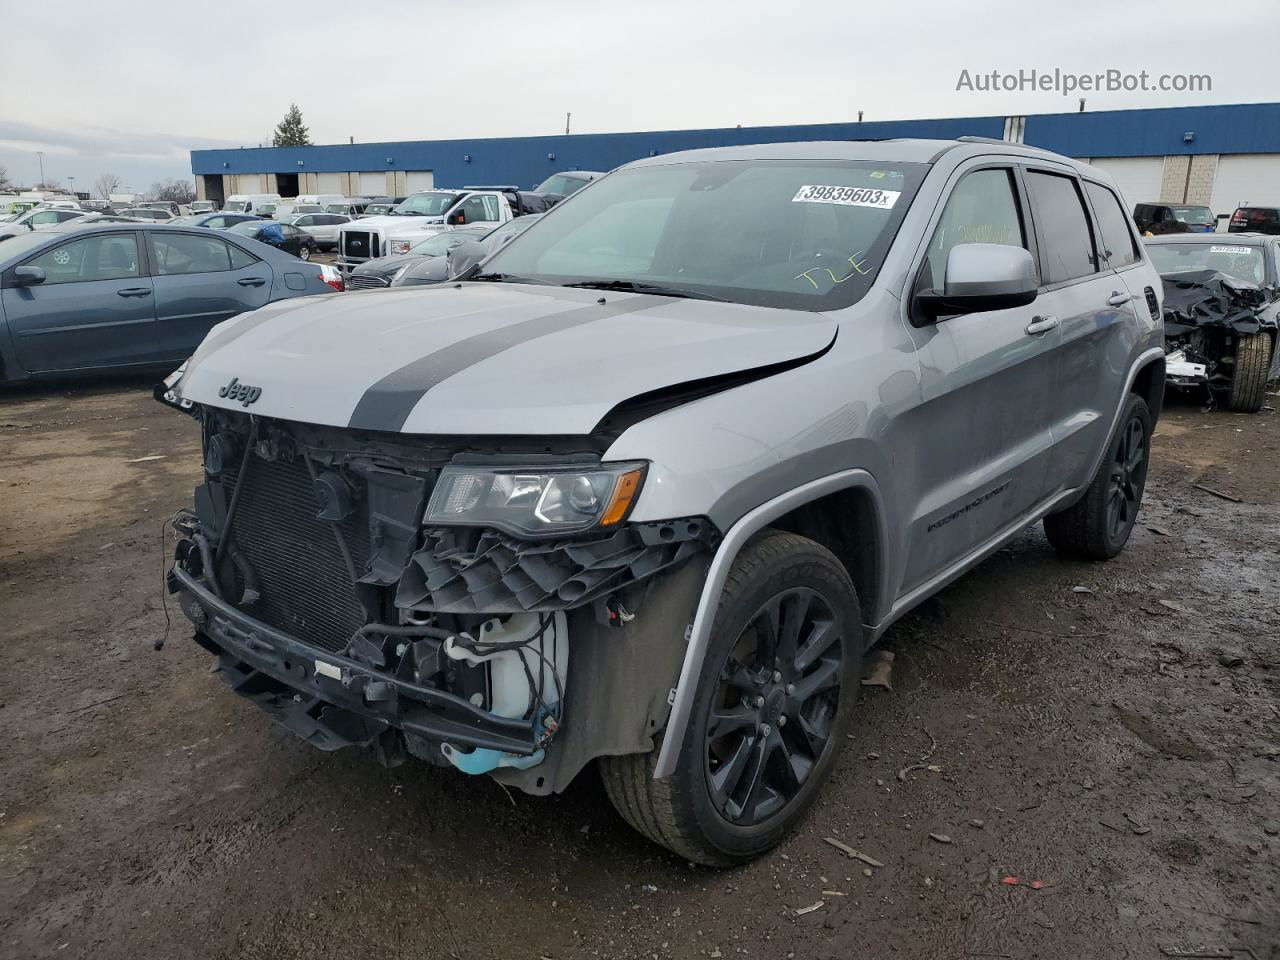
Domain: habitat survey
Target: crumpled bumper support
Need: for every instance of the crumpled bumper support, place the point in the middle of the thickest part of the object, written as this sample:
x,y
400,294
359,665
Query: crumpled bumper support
x,y
333,701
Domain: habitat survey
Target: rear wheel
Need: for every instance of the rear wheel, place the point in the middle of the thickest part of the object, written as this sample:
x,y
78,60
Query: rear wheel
x,y
1249,377
1097,526
774,699
305,253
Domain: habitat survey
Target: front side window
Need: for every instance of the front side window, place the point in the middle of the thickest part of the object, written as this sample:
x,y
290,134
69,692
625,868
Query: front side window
x,y
307,221
44,218
1063,227
983,208
179,253
100,257
807,235
1119,247
479,208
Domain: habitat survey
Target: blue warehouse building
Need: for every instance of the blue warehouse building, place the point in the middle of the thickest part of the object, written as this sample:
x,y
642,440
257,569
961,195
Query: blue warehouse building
x,y
1222,156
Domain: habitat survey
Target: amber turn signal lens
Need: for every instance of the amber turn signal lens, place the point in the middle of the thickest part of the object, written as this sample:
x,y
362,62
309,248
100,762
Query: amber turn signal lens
x,y
623,493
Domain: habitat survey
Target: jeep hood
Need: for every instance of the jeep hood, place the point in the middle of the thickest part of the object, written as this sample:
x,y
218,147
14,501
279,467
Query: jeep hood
x,y
484,358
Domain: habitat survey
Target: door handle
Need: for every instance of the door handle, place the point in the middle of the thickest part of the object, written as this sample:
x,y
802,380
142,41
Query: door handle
x,y
134,291
1118,299
251,281
1039,325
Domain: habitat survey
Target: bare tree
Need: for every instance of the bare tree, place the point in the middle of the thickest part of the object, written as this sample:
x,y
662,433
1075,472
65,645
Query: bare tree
x,y
106,184
179,191
6,186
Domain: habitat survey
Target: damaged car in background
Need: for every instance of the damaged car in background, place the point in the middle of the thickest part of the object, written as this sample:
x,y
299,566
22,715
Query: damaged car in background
x,y
639,493
1221,314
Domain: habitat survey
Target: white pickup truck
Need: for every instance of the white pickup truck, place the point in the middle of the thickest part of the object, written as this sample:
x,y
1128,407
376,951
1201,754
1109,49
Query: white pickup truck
x,y
424,214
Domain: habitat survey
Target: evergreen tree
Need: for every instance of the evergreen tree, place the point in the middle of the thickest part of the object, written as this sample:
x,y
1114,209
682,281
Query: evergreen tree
x,y
290,132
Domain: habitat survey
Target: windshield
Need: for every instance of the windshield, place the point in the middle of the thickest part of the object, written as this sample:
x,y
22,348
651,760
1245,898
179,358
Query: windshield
x,y
145,213
202,205
373,208
1235,260
16,246
439,245
236,206
425,204
1196,216
807,235
337,208
562,184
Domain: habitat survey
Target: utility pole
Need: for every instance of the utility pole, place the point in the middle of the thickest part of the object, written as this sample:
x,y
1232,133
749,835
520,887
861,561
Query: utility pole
x,y
566,123
72,181
40,154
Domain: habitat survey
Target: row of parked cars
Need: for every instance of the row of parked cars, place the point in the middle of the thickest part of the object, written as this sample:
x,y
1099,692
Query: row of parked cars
x,y
1160,219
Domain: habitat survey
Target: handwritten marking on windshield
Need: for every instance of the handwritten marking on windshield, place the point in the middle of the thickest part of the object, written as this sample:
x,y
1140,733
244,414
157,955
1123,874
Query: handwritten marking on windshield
x,y
860,268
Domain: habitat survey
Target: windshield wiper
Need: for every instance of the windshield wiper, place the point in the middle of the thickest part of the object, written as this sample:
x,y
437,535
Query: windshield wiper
x,y
507,278
657,289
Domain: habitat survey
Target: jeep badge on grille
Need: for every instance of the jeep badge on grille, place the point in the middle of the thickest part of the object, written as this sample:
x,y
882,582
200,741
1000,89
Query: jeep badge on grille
x,y
240,391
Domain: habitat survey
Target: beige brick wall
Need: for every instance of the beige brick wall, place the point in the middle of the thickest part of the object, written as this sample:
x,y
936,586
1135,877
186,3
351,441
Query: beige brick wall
x,y
1188,179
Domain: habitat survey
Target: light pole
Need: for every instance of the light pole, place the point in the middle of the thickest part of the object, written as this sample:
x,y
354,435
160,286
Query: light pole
x,y
40,154
72,181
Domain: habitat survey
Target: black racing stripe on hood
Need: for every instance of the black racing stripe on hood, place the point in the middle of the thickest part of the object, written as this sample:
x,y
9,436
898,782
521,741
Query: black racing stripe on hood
x,y
387,404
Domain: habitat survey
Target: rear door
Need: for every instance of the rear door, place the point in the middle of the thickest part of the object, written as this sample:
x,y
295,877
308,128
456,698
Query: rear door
x,y
984,419
94,309
1094,312
201,279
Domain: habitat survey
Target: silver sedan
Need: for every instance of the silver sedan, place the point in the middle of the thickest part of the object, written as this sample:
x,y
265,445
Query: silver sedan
x,y
323,226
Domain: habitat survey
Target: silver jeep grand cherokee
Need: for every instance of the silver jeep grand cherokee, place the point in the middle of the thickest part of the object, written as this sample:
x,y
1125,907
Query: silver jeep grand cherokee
x,y
643,487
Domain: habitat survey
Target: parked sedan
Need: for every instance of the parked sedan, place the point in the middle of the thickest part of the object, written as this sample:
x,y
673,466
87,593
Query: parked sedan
x,y
383,271
322,226
284,236
214,221
147,213
40,218
131,296
439,269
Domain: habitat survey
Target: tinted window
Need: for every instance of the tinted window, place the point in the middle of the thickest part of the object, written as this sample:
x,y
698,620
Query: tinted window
x,y
239,258
1117,239
307,221
983,208
1196,216
184,253
1063,227
109,257
479,208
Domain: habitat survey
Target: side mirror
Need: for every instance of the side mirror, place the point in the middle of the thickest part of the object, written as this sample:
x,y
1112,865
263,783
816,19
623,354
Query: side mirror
x,y
463,258
982,276
457,219
28,276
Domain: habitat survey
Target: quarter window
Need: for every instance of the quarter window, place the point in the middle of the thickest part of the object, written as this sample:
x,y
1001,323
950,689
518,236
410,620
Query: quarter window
x,y
983,208
239,258
110,257
1063,227
182,253
1117,239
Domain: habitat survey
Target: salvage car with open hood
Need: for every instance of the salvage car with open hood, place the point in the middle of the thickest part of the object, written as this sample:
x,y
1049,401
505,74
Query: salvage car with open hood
x,y
1221,314
641,487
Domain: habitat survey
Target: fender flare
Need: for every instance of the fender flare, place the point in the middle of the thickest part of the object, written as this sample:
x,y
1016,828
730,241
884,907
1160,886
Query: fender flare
x,y
718,572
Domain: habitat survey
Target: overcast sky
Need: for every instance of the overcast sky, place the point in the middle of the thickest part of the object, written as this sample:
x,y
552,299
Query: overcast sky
x,y
131,87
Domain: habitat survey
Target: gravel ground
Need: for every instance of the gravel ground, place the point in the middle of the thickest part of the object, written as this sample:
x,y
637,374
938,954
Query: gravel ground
x,y
1105,734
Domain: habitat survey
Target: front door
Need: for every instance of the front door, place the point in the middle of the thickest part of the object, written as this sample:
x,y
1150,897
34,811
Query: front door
x,y
201,280
983,424
95,307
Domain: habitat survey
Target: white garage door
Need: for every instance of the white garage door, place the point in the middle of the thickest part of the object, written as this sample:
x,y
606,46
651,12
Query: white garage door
x,y
1244,179
373,184
416,180
329,183
1137,177
249,183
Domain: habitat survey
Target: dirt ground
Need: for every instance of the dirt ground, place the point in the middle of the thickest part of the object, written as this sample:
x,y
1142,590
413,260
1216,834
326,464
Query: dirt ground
x,y
1114,748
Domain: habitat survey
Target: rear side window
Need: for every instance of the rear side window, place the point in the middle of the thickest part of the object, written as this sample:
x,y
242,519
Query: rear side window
x,y
183,253
239,258
111,257
983,208
1117,239
1063,227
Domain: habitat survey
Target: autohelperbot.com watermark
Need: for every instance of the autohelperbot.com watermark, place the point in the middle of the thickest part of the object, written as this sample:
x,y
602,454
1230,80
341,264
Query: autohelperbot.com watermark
x,y
1066,82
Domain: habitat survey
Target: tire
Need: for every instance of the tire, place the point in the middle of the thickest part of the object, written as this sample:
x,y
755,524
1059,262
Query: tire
x,y
304,253
1249,378
1097,526
684,812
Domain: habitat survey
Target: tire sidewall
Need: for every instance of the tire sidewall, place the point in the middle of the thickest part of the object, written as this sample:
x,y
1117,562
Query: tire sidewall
x,y
808,566
1135,406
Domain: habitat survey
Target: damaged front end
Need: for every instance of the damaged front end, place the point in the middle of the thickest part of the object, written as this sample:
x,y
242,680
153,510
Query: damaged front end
x,y
484,605
1206,313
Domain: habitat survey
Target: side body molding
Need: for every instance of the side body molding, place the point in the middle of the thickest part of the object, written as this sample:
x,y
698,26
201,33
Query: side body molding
x,y
703,620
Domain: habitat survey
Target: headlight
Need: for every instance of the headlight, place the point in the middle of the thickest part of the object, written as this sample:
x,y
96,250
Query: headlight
x,y
401,246
536,502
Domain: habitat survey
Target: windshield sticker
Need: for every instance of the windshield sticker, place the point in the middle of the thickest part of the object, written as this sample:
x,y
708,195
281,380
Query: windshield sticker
x,y
1234,251
848,196
860,268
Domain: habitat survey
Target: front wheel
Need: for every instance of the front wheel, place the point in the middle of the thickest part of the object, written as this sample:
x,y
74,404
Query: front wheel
x,y
305,253
771,707
1097,526
1249,374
